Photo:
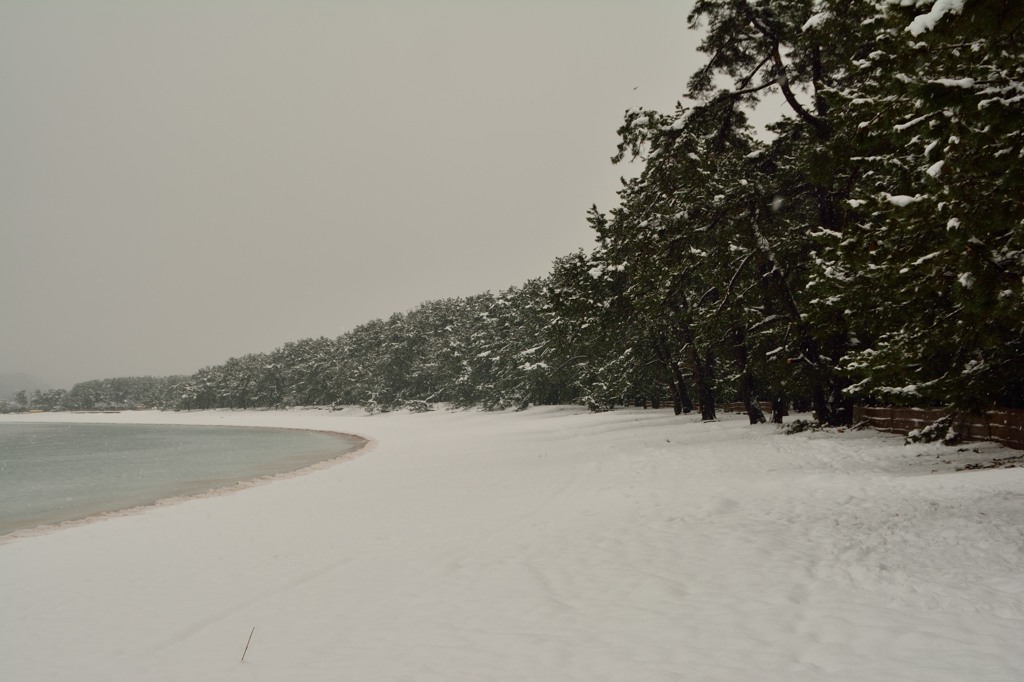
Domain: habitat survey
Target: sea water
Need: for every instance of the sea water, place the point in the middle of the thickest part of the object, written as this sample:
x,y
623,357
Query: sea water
x,y
50,473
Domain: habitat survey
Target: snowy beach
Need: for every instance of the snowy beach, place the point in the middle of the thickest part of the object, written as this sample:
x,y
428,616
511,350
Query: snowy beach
x,y
549,544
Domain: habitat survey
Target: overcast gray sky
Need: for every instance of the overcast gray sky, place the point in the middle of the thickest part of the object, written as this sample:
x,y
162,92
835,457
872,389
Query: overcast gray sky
x,y
182,182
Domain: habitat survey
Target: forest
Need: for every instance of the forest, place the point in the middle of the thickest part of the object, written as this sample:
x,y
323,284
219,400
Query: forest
x,y
867,247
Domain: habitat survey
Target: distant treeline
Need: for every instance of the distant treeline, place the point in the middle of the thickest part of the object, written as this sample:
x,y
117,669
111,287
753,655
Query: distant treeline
x,y
122,393
872,251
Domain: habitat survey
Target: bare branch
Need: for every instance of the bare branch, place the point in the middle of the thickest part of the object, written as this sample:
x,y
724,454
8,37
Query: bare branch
x,y
746,81
780,73
791,99
732,281
746,91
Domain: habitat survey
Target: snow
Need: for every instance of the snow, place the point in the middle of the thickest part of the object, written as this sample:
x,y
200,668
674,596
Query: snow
x,y
901,200
924,259
549,544
816,20
955,82
911,123
926,22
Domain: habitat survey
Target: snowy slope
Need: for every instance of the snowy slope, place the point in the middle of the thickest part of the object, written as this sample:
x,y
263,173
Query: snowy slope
x,y
545,545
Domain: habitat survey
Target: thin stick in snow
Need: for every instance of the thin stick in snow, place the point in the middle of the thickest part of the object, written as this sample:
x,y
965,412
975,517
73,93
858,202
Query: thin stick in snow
x,y
247,643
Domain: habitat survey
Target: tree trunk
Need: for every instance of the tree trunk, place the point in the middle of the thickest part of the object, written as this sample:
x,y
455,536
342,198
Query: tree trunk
x,y
706,395
703,368
746,384
703,373
674,377
816,372
684,404
778,410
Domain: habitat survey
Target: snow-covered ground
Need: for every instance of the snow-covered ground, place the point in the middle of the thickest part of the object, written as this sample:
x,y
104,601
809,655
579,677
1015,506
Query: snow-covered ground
x,y
550,544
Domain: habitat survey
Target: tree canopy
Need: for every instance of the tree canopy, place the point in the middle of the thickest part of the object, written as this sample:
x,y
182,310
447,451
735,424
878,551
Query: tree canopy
x,y
868,245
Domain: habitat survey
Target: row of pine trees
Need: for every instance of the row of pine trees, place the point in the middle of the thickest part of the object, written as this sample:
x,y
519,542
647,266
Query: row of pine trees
x,y
867,247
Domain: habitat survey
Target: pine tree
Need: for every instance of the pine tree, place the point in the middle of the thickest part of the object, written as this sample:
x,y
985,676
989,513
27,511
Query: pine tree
x,y
935,119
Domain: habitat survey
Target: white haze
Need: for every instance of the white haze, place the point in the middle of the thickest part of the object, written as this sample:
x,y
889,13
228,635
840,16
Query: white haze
x,y
185,182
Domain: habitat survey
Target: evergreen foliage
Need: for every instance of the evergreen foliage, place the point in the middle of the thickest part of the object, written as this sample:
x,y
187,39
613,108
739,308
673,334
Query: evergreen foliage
x,y
872,250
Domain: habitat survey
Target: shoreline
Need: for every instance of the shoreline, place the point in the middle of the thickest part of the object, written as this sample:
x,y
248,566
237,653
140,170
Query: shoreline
x,y
244,484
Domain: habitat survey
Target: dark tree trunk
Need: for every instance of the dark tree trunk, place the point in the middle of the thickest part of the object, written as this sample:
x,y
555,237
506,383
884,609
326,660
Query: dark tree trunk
x,y
822,410
746,384
707,402
814,366
778,410
703,368
702,376
683,404
674,377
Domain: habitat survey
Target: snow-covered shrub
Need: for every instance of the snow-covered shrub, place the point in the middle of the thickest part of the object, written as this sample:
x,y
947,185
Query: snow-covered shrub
x,y
942,429
801,425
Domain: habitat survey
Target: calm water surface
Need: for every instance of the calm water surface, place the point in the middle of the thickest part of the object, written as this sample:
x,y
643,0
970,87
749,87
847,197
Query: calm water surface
x,y
61,472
